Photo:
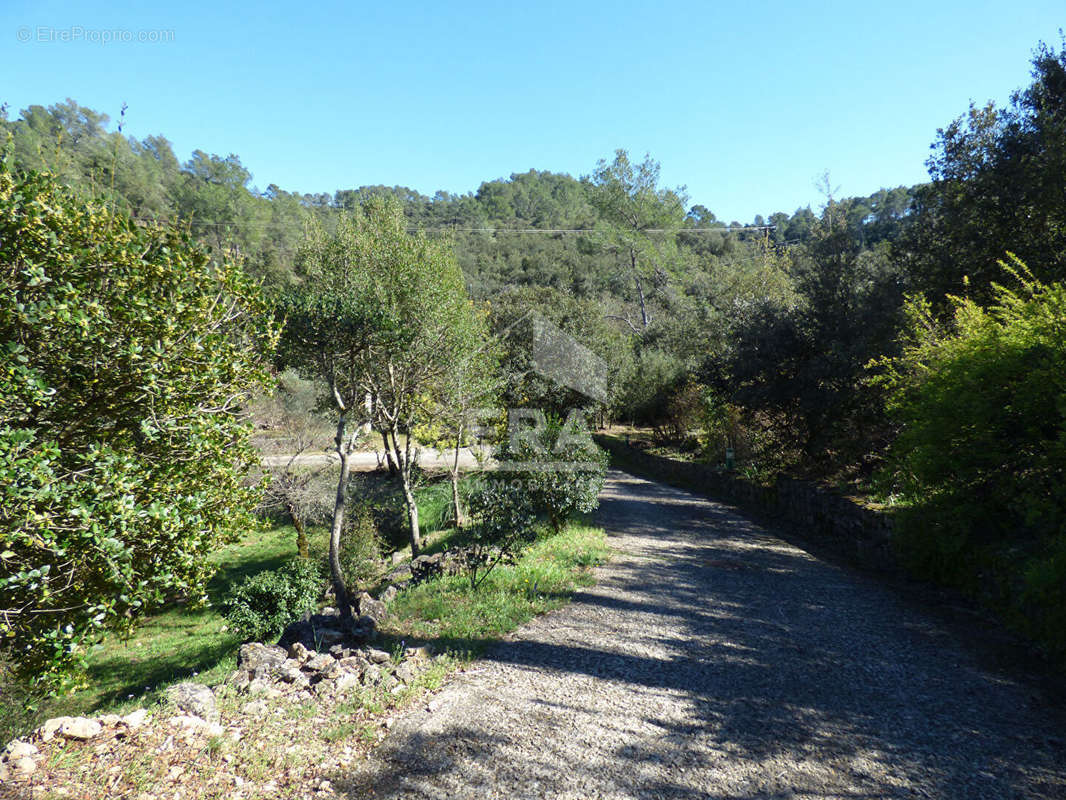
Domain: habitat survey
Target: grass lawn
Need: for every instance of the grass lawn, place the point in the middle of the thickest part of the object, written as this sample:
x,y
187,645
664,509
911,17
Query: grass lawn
x,y
448,612
182,643
168,647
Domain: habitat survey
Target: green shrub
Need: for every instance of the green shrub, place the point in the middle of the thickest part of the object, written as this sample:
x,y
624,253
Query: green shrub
x,y
381,498
128,351
978,465
559,469
361,551
502,522
263,604
549,475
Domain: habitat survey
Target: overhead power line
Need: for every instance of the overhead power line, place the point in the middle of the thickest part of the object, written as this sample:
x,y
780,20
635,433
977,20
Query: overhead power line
x,y
452,229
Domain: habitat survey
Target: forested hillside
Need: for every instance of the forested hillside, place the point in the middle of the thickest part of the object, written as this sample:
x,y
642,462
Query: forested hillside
x,y
662,283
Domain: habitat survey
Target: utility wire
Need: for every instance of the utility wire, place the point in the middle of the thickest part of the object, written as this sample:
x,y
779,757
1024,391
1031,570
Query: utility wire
x,y
450,229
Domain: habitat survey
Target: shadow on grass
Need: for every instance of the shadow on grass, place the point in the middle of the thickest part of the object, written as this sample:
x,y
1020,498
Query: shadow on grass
x,y
227,577
130,677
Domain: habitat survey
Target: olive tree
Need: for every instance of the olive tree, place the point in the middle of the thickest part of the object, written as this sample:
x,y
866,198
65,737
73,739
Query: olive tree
x,y
379,316
128,355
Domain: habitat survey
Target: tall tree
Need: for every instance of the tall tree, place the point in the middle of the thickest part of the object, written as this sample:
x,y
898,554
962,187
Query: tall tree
x,y
997,187
639,221
378,316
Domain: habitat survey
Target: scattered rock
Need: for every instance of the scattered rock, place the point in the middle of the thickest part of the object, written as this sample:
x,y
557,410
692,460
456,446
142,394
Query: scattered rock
x,y
319,662
255,708
256,655
135,719
372,675
19,749
298,652
339,651
406,672
196,724
377,656
362,628
23,767
369,607
389,594
346,681
354,664
79,728
292,674
48,730
194,698
258,686
330,637
425,567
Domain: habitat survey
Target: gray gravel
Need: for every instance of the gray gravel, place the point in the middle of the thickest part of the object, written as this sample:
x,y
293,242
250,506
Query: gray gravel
x,y
713,660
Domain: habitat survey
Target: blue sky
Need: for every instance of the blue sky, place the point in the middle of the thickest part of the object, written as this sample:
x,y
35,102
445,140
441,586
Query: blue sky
x,y
747,104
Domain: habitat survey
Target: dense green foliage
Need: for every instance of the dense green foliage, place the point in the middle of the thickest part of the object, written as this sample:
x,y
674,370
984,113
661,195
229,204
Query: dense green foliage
x,y
558,468
384,319
997,187
123,457
263,604
981,455
546,474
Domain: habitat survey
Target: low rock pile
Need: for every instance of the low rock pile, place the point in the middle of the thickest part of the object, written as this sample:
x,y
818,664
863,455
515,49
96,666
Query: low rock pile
x,y
274,671
21,757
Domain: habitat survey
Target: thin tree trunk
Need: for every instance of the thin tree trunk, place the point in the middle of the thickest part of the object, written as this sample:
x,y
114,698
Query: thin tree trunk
x,y
457,507
339,589
388,453
404,461
301,534
412,518
640,289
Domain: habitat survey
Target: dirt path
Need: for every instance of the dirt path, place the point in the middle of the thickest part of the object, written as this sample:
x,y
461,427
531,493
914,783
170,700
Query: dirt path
x,y
713,660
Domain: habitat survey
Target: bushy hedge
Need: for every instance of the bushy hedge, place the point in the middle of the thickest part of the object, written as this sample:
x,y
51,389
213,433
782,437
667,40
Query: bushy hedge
x,y
127,354
558,468
263,604
979,466
361,552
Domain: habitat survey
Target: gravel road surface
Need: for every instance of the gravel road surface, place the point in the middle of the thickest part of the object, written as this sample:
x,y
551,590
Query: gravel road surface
x,y
713,660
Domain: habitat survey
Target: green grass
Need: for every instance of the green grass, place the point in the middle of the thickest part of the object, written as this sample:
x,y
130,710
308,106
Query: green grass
x,y
457,617
173,645
180,642
435,505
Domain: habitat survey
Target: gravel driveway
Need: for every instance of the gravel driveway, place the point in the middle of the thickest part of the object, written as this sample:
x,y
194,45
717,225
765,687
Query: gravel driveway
x,y
713,660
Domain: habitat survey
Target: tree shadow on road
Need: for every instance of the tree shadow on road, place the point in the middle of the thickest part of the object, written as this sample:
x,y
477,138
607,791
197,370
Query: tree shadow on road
x,y
818,682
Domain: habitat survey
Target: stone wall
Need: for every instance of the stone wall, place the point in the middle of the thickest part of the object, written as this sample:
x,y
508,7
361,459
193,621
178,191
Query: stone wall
x,y
816,513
